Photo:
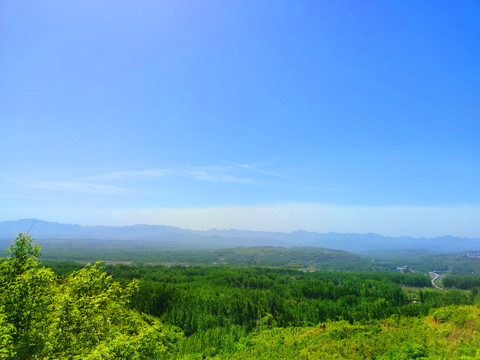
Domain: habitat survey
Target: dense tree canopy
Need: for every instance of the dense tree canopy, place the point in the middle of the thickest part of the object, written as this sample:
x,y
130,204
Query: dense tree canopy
x,y
86,315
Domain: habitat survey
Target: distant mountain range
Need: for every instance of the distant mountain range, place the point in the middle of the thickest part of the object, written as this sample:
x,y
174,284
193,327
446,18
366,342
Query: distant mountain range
x,y
215,239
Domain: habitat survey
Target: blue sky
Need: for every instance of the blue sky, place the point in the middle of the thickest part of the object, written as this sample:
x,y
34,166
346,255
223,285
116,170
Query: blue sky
x,y
268,115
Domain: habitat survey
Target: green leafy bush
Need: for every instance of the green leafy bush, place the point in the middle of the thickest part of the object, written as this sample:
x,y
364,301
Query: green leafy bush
x,y
86,315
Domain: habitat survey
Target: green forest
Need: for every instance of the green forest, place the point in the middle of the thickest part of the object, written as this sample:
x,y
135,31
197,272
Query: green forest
x,y
227,310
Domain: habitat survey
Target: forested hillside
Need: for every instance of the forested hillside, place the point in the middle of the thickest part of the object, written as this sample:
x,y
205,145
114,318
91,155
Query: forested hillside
x,y
448,333
219,311
151,253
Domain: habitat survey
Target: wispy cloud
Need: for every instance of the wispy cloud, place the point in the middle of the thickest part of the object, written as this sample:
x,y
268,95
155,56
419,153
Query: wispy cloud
x,y
148,181
213,173
220,173
259,168
130,174
227,172
107,183
77,187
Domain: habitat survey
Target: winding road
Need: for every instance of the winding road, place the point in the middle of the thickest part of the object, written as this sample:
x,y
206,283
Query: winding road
x,y
434,277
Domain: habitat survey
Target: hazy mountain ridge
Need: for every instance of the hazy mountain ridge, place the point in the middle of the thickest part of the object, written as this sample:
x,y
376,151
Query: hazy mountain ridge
x,y
221,238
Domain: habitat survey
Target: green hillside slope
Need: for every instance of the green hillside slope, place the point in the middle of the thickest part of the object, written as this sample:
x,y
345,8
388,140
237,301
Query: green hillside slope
x,y
448,333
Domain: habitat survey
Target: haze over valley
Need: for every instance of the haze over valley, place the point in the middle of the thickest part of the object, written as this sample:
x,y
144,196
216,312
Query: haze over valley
x,y
177,238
